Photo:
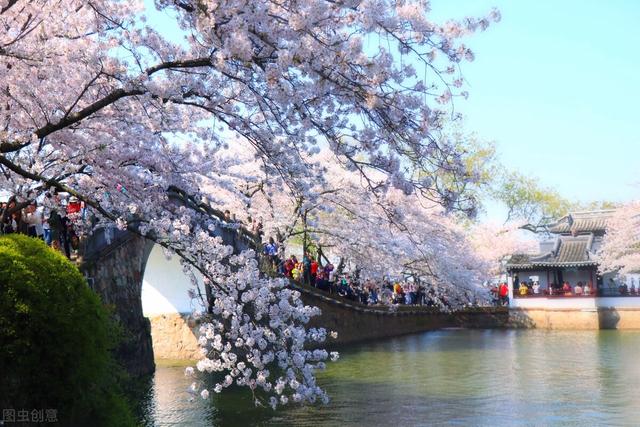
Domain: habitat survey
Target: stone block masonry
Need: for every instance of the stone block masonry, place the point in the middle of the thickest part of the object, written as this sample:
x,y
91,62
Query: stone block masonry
x,y
114,270
175,336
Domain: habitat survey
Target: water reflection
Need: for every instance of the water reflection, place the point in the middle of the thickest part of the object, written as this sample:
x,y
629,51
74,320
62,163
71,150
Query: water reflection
x,y
446,377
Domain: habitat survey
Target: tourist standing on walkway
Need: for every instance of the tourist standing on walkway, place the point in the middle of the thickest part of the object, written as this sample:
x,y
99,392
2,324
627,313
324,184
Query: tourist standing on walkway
x,y
503,293
271,251
306,268
33,219
328,271
314,272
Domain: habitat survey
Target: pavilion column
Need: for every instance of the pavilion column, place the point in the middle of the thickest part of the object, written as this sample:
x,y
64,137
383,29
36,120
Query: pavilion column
x,y
548,283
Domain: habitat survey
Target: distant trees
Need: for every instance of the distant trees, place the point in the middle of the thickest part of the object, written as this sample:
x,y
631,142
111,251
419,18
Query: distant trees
x,y
533,205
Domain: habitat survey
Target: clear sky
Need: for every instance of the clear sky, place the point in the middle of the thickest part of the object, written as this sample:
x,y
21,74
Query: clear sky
x,y
556,85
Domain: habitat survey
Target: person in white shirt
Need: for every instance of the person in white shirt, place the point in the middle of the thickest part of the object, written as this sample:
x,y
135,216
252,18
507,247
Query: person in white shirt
x,y
33,218
536,288
578,289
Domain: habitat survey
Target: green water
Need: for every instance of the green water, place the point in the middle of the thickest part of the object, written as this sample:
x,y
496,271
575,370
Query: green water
x,y
456,377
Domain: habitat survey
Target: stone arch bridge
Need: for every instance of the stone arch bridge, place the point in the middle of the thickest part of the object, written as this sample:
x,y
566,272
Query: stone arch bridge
x,y
148,295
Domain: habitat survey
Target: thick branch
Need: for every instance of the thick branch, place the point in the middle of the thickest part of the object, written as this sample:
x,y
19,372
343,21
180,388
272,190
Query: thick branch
x,y
70,119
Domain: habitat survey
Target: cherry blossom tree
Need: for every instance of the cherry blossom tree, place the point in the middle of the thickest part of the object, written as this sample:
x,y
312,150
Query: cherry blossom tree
x,y
494,242
97,103
620,251
390,236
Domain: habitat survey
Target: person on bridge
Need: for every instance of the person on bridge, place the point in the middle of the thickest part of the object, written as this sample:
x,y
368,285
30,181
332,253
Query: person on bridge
x,y
296,273
289,265
306,268
314,272
373,295
398,293
329,273
271,251
503,293
33,218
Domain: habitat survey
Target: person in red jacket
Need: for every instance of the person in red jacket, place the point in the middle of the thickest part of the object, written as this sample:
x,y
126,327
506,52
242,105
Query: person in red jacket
x,y
289,264
314,272
503,293
74,213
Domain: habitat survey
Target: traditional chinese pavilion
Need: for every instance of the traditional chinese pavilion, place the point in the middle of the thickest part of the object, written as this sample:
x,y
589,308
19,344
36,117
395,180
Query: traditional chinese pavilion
x,y
568,256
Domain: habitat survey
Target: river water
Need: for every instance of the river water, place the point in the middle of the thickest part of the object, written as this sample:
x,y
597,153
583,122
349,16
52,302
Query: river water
x,y
450,377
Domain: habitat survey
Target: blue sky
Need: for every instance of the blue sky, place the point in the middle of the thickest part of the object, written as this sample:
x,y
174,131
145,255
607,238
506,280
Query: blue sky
x,y
556,85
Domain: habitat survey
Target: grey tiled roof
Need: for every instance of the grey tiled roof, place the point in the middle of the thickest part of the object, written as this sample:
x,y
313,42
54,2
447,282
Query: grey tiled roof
x,y
582,222
568,252
572,250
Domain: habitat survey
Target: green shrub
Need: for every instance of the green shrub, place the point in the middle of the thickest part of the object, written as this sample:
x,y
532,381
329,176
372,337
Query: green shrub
x,y
55,339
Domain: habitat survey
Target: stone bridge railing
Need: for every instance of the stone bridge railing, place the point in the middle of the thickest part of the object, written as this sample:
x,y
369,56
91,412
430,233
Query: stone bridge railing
x,y
357,322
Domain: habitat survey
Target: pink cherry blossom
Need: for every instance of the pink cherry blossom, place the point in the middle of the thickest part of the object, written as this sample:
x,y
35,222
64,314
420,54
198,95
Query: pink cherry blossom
x,y
151,133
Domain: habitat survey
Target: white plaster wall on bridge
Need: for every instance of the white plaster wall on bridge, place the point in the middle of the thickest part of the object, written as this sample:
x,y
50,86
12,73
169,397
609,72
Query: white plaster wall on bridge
x,y
165,286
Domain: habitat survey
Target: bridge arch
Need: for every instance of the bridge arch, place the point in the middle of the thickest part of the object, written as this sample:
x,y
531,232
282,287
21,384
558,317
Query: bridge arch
x,y
167,305
148,294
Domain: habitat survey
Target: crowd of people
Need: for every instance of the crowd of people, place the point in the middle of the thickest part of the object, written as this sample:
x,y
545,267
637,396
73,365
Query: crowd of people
x,y
565,289
532,288
311,272
55,226
529,288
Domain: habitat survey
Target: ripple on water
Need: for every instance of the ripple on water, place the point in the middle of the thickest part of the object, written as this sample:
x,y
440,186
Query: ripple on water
x,y
448,377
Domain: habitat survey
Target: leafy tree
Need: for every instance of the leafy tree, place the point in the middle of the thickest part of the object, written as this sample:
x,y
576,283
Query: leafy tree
x,y
537,206
56,339
527,200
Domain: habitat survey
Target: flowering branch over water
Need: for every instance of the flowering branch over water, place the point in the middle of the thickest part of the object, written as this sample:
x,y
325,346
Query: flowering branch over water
x,y
97,103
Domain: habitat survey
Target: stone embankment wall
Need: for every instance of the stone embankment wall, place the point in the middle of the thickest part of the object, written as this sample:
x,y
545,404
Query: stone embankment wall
x,y
575,319
355,322
175,335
